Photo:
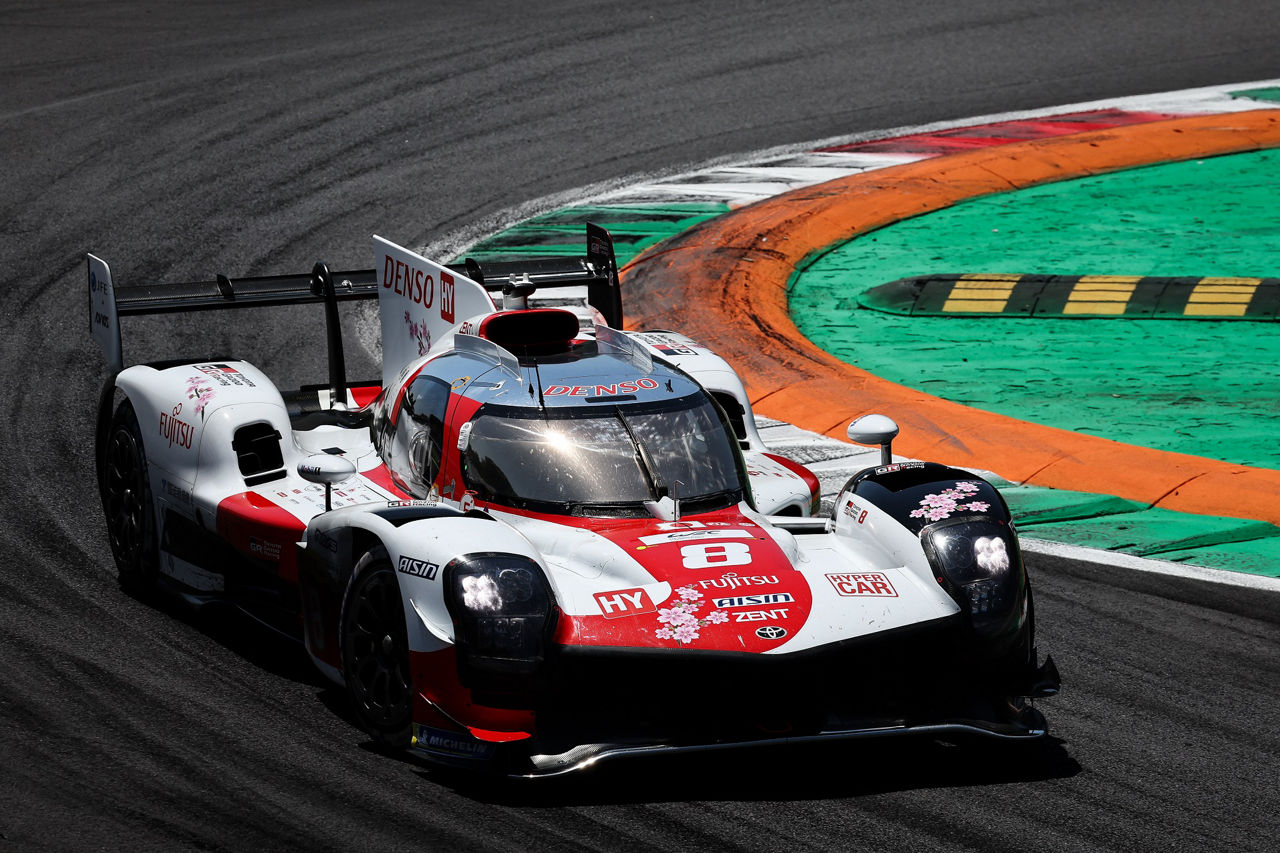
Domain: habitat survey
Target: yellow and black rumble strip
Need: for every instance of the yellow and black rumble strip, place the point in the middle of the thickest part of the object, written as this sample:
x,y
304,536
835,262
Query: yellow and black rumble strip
x,y
1132,297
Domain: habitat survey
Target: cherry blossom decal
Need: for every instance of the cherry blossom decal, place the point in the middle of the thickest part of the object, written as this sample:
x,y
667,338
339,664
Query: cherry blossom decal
x,y
200,389
942,505
680,620
420,333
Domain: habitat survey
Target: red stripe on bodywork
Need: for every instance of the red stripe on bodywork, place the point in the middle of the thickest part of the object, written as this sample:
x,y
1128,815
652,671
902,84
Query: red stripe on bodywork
x,y
259,528
363,395
435,682
381,477
810,479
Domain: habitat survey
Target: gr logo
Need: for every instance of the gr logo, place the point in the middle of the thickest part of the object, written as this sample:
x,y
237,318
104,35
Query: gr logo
x,y
418,568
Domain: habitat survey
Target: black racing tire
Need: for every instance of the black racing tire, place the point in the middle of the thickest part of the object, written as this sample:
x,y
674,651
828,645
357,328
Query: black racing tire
x,y
127,503
375,651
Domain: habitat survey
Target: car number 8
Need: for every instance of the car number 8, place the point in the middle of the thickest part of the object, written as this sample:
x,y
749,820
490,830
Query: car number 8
x,y
714,556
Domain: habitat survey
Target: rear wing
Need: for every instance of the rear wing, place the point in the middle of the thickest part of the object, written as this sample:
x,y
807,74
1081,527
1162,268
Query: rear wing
x,y
597,270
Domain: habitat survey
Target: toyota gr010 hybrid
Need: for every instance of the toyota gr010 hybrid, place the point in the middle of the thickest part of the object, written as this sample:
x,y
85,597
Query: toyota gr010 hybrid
x,y
541,540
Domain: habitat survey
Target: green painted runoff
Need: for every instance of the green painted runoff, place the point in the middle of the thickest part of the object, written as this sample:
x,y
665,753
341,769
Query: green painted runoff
x,y
1208,388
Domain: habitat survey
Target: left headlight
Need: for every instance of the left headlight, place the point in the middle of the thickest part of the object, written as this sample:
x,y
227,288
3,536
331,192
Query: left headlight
x,y
979,564
503,614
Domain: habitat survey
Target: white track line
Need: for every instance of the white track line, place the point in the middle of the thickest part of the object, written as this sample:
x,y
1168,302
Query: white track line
x,y
1143,564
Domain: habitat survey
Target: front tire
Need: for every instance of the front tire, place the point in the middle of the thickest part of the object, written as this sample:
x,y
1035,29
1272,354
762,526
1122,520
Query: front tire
x,y
127,504
375,651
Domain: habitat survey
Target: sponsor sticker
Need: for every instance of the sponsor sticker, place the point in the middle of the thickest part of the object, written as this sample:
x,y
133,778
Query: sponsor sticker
x,y
694,534
450,743
415,502
863,583
417,568
732,580
779,472
771,632
225,375
174,491
624,602
670,344
176,430
898,466
855,512
761,615
754,600
264,548
631,386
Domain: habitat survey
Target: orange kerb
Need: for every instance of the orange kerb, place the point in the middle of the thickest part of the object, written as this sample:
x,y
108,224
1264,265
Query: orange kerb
x,y
725,282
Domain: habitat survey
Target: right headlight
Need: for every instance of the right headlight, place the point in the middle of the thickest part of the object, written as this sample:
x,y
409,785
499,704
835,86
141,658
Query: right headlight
x,y
503,613
978,563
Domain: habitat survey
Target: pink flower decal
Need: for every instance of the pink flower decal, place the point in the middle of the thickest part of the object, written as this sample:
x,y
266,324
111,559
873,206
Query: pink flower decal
x,y
420,333
948,501
680,621
686,633
200,389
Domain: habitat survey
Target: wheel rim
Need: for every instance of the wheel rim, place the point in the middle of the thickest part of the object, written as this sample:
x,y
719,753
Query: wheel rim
x,y
377,650
125,497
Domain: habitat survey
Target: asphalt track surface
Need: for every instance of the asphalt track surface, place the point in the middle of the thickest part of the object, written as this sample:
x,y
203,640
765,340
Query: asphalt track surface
x,y
182,140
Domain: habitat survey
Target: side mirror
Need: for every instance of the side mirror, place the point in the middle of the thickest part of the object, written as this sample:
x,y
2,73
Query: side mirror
x,y
875,429
328,469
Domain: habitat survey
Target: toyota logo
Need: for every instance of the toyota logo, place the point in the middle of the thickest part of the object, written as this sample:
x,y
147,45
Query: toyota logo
x,y
771,632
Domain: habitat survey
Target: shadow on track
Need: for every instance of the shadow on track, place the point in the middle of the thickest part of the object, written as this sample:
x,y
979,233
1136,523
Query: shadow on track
x,y
780,774
266,648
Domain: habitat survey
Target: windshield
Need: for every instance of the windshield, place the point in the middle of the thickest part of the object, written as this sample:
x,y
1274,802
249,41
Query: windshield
x,y
602,456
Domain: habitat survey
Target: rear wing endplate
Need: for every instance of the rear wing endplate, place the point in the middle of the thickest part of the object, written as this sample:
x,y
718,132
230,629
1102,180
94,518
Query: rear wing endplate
x,y
597,271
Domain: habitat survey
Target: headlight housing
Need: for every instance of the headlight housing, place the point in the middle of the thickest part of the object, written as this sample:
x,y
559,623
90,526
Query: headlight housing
x,y
503,615
978,563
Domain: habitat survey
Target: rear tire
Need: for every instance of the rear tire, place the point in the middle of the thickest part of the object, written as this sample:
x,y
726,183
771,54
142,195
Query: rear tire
x,y
127,504
375,651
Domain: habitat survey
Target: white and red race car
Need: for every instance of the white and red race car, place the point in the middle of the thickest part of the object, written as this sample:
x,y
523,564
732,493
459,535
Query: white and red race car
x,y
540,530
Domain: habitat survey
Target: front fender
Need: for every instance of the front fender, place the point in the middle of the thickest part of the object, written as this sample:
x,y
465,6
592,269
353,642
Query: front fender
x,y
949,525
420,538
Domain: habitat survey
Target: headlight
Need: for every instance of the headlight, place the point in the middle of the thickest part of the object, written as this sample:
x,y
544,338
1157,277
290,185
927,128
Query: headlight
x,y
978,563
502,612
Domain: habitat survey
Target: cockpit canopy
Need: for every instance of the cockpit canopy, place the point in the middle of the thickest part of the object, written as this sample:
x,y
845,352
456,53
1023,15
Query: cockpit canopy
x,y
596,430
603,459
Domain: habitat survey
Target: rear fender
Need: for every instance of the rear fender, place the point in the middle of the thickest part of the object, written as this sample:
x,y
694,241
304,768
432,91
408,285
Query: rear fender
x,y
180,408
711,372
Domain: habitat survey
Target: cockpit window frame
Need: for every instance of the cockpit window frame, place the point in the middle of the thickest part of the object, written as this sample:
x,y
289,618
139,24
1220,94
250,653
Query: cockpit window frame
x,y
733,494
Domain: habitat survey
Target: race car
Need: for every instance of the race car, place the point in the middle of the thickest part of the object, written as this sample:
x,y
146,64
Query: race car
x,y
541,540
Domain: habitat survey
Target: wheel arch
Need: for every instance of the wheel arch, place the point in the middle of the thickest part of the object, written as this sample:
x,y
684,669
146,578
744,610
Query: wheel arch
x,y
419,539
106,411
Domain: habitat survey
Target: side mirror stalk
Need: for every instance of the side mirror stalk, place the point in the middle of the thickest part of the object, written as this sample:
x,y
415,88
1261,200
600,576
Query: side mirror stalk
x,y
875,429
